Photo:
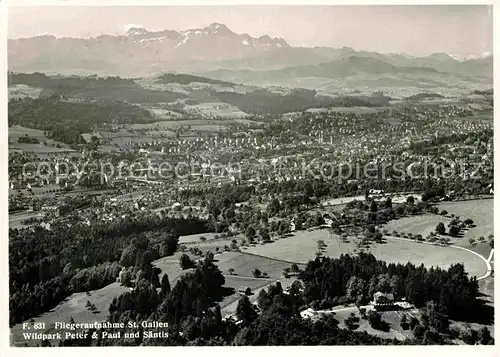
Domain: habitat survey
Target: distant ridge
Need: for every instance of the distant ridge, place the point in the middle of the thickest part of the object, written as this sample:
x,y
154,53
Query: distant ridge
x,y
140,52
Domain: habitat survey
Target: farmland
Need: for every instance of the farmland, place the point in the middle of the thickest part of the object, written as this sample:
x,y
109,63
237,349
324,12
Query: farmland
x,y
216,109
18,131
23,91
38,148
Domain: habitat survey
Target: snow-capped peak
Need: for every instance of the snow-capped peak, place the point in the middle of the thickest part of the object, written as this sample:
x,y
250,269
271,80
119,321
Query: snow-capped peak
x,y
134,31
470,56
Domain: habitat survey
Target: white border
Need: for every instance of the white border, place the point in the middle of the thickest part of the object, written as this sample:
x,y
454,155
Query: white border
x,y
386,351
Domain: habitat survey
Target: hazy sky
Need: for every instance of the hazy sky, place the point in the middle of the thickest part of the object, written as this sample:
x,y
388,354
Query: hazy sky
x,y
417,30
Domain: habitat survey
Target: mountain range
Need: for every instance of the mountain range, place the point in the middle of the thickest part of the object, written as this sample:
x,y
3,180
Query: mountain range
x,y
216,51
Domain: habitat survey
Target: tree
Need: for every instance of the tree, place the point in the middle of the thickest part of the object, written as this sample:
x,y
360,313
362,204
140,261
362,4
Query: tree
x,y
376,321
263,300
443,212
440,228
469,222
295,268
373,207
404,322
230,271
308,190
352,322
436,318
410,200
321,244
454,231
388,203
472,242
274,206
485,336
356,288
186,262
481,239
250,233
414,322
245,311
257,273
165,285
209,255
264,234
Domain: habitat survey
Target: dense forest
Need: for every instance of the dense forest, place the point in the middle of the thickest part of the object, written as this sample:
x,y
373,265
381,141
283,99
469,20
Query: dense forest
x,y
186,79
48,265
359,278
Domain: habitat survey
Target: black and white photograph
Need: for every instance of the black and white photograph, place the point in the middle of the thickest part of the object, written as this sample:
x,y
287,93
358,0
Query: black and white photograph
x,y
249,175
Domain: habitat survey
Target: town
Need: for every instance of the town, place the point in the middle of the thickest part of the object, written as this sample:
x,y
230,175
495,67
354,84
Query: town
x,y
343,197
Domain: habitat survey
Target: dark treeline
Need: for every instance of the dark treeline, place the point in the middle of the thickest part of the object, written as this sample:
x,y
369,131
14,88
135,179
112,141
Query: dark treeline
x,y
188,79
265,102
48,265
358,278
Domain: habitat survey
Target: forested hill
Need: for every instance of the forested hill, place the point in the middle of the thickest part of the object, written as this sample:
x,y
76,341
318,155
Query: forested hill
x,y
65,120
93,87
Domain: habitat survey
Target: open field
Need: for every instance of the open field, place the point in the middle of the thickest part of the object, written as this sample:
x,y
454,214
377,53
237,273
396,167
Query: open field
x,y
391,317
18,91
37,148
229,303
15,220
129,196
480,211
302,247
244,264
74,307
195,238
17,131
195,124
357,110
216,109
423,224
164,113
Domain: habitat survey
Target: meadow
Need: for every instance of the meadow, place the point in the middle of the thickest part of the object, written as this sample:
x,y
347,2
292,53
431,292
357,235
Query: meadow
x,y
422,224
302,247
480,211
